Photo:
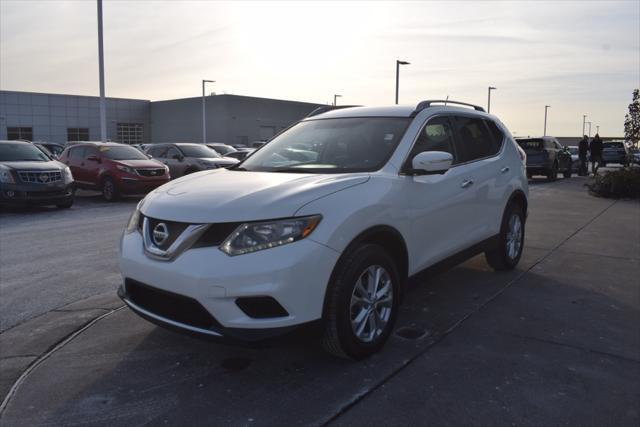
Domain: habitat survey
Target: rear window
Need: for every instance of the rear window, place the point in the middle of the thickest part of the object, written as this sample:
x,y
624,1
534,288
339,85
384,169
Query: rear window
x,y
531,144
122,153
613,145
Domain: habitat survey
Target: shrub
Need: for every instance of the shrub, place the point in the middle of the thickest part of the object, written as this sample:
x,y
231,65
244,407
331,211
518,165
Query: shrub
x,y
621,183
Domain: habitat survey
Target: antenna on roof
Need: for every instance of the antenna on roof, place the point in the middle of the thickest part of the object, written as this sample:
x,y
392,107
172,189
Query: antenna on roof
x,y
445,101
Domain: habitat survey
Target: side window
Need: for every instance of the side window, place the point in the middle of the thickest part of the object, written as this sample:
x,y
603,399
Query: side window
x,y
91,151
473,140
496,133
171,152
76,153
436,135
159,152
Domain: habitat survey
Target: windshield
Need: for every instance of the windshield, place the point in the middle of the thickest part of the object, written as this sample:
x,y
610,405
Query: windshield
x,y
223,149
122,153
573,150
331,146
613,145
532,144
21,152
200,151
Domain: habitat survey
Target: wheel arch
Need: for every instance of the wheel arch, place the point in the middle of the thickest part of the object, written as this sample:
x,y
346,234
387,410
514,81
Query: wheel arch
x,y
520,198
388,238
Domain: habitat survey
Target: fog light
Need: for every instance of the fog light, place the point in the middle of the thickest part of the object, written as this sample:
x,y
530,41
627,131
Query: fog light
x,y
11,193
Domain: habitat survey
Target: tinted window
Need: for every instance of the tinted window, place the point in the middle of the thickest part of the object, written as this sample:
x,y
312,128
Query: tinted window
x,y
172,153
437,135
158,152
76,153
531,144
21,152
473,140
496,133
613,145
200,151
331,146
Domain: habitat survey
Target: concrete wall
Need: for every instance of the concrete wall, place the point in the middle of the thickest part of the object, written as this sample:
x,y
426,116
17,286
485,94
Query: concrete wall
x,y
230,118
50,115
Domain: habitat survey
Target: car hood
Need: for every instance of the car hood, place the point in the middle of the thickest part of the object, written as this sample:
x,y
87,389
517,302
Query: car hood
x,y
34,166
140,163
219,160
222,195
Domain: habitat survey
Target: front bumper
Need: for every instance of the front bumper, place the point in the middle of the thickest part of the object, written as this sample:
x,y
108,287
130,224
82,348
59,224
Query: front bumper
x,y
294,275
133,185
35,194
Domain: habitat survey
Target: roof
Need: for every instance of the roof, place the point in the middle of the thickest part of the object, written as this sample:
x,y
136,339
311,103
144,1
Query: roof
x,y
389,111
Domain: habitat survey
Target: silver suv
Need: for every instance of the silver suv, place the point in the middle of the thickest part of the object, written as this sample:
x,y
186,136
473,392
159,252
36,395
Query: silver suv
x,y
184,158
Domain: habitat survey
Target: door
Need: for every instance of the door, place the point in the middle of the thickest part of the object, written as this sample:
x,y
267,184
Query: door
x,y
91,165
176,162
75,158
436,204
484,174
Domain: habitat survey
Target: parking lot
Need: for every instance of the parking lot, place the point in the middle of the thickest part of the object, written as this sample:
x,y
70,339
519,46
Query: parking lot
x,y
554,342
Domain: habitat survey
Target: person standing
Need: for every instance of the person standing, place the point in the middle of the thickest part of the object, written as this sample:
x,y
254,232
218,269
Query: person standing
x,y
596,153
583,152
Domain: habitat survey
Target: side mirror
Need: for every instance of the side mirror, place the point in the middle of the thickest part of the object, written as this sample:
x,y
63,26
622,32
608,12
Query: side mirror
x,y
432,162
94,158
149,156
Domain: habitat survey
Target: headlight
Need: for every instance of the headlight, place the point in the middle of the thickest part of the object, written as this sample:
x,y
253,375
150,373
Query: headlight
x,y
134,219
256,236
6,177
68,177
126,169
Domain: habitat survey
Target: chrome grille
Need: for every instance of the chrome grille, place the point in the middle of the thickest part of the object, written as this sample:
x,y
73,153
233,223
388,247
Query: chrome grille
x,y
40,177
150,172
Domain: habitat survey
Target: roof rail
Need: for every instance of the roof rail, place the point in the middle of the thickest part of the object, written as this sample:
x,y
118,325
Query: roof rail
x,y
326,108
426,104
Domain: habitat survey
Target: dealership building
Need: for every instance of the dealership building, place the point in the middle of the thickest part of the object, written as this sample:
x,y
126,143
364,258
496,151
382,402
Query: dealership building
x,y
60,118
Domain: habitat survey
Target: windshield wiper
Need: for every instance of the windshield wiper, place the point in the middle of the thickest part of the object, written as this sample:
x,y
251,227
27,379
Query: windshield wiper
x,y
294,170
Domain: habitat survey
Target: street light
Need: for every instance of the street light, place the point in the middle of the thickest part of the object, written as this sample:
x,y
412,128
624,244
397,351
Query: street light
x,y
204,117
598,129
589,134
584,118
398,64
546,107
489,98
335,99
103,109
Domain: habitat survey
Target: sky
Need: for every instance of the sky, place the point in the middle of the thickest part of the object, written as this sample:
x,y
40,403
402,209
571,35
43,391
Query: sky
x,y
579,57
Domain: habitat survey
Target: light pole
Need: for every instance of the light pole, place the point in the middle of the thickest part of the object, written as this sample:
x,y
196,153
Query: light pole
x,y
103,109
546,107
335,99
598,130
584,118
589,134
489,98
204,117
398,64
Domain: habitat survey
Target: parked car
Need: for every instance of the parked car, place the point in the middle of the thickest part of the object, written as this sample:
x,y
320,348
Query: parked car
x,y
30,177
614,152
268,245
634,156
184,158
44,150
257,144
545,156
575,157
241,153
220,148
114,169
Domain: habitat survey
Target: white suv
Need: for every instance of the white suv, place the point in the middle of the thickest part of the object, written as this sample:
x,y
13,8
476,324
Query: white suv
x,y
325,223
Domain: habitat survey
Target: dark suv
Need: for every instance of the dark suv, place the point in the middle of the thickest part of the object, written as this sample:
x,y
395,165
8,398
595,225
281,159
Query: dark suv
x,y
28,176
545,156
114,169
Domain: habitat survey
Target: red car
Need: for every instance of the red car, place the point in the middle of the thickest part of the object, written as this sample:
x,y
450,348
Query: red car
x,y
114,169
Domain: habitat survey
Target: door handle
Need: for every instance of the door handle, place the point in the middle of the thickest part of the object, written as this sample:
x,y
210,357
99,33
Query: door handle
x,y
504,169
467,183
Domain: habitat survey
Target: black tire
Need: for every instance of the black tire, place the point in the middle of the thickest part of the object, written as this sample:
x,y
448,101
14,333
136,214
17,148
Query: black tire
x,y
499,258
339,337
552,174
529,175
65,205
109,190
567,173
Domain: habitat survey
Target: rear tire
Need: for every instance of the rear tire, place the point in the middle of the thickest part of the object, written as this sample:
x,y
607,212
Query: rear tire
x,y
567,173
552,175
109,190
361,304
510,241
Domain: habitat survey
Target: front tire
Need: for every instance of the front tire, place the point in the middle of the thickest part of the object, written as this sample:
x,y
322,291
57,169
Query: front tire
x,y
65,205
510,242
567,173
362,303
109,190
552,175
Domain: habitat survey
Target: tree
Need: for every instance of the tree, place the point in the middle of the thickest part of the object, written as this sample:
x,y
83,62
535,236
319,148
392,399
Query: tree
x,y
632,120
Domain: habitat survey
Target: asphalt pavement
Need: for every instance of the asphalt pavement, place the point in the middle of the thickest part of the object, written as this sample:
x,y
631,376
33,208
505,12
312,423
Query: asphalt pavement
x,y
555,341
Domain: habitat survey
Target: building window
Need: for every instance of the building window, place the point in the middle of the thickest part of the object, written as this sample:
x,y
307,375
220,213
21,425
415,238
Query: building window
x,y
14,133
130,133
77,134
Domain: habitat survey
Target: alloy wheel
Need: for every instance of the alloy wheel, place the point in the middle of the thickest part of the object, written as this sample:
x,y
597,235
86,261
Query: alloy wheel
x,y
371,303
514,236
